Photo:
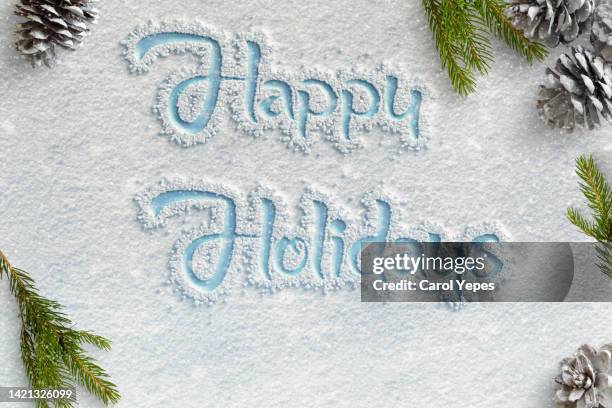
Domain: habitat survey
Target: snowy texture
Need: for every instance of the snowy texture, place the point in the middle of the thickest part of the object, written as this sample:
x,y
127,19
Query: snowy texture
x,y
79,141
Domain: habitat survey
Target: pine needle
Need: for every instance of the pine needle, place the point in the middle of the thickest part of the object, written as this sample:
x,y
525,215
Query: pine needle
x,y
598,195
604,254
51,350
494,16
460,29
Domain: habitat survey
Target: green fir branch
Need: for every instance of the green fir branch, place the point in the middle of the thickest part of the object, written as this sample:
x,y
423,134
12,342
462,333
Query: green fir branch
x,y
438,15
588,228
460,29
474,47
604,254
598,195
51,349
494,16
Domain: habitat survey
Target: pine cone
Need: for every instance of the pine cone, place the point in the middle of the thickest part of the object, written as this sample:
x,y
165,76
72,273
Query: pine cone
x,y
552,21
585,379
601,34
52,23
579,91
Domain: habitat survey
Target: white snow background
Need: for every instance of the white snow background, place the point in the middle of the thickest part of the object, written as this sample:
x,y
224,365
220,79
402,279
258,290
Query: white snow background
x,y
79,141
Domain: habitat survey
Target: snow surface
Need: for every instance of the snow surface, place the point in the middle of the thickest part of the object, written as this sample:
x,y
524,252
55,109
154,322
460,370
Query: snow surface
x,y
80,141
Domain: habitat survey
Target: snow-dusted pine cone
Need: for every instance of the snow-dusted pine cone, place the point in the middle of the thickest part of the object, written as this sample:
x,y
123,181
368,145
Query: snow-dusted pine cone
x,y
579,91
51,23
552,21
601,34
585,379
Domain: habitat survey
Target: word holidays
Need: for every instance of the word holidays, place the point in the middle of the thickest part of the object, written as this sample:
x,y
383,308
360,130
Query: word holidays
x,y
248,241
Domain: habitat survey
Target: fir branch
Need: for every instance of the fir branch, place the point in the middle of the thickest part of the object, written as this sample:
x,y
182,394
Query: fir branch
x,y
588,228
598,195
89,374
604,254
466,27
448,45
493,14
460,29
51,350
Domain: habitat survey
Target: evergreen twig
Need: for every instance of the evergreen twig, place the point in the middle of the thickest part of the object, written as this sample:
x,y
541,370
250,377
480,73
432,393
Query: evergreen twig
x,y
493,13
604,254
599,199
51,349
459,28
598,195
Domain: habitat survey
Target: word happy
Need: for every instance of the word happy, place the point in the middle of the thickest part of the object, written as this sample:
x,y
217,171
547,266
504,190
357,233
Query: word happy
x,y
247,241
235,73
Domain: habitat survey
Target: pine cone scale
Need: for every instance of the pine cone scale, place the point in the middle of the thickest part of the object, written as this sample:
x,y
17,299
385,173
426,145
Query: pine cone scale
x,y
50,9
601,34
